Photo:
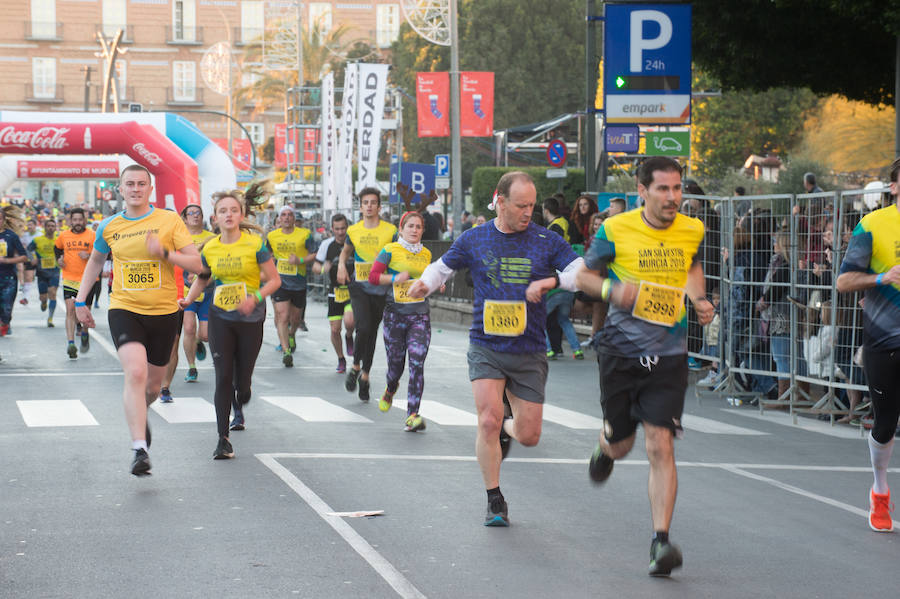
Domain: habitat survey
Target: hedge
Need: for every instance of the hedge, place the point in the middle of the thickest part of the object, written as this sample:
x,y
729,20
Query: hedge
x,y
484,181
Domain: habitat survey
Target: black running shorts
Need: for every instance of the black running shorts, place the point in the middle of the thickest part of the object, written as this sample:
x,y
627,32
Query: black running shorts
x,y
297,297
155,332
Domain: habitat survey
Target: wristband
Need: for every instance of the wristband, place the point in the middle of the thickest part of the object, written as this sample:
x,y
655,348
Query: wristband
x,y
258,296
80,305
165,253
556,276
879,278
606,289
301,260
393,277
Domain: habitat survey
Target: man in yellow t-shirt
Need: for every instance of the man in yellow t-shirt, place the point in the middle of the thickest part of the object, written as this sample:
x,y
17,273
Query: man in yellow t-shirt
x,y
43,249
143,313
73,248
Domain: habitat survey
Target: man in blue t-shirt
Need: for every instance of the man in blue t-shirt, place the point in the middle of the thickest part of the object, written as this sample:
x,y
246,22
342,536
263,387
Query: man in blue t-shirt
x,y
513,263
11,253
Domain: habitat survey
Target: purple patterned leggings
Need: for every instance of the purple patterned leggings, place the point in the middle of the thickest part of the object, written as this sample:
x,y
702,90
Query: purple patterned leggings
x,y
407,333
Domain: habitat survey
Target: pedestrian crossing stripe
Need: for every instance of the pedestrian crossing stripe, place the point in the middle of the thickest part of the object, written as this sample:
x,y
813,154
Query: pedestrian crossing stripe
x,y
55,412
313,409
185,410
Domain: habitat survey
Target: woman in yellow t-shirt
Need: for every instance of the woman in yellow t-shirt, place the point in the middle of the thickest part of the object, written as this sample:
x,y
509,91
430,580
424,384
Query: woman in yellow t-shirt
x,y
234,261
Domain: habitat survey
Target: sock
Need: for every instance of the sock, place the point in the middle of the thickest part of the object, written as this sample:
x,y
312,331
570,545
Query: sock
x,y
192,365
661,536
26,287
52,307
507,426
71,342
139,444
881,457
494,495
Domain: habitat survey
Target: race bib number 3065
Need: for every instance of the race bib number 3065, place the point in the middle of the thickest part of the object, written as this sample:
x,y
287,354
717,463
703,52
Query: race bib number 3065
x,y
229,297
658,304
140,275
504,318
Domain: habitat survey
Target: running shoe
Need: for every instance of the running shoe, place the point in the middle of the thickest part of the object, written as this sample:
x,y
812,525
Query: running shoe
x,y
237,423
224,450
140,465
288,360
505,439
384,404
348,339
664,557
302,326
85,341
414,423
601,465
165,396
278,348
292,343
72,350
694,364
4,330
50,323
342,366
43,305
710,380
552,355
24,301
497,513
578,354
350,381
880,512
201,351
191,376
363,390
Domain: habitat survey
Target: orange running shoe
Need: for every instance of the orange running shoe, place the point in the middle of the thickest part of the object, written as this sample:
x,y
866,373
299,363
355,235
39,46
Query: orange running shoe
x,y
880,512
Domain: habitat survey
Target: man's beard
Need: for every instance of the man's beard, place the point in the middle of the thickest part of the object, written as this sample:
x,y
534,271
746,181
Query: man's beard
x,y
77,228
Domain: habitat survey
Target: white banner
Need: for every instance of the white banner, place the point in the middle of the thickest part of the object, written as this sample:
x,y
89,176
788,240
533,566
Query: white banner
x,y
372,84
329,145
345,139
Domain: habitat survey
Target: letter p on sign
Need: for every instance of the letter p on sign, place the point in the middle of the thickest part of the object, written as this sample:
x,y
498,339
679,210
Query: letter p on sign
x,y
639,43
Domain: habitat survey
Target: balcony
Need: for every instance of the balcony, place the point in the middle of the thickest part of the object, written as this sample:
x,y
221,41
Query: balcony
x,y
110,31
245,36
40,31
185,96
43,94
184,36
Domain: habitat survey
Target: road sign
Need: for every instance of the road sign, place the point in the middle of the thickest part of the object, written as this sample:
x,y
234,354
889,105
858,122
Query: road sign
x,y
442,165
557,173
414,180
668,143
623,138
557,152
647,70
442,183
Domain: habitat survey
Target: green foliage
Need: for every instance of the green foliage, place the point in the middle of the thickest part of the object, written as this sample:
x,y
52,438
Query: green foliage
x,y
725,185
268,150
790,180
484,182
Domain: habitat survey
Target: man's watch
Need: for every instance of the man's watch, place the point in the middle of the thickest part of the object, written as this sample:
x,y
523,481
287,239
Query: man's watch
x,y
556,276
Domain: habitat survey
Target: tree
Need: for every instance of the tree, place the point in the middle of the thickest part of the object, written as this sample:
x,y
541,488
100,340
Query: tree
x,y
828,46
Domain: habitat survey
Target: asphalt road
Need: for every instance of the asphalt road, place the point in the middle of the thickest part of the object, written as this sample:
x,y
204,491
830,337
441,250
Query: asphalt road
x,y
765,508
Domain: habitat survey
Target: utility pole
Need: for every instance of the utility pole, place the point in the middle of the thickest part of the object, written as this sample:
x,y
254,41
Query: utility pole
x,y
455,145
86,69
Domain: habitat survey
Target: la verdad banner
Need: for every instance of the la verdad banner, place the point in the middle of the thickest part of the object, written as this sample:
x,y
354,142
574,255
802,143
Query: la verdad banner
x,y
347,130
372,84
433,104
329,145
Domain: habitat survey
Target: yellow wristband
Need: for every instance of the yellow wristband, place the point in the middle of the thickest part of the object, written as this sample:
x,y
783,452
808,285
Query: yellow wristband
x,y
606,289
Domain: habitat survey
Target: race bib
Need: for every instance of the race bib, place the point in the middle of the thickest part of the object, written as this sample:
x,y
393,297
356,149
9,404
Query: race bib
x,y
76,285
658,304
199,297
48,263
401,293
341,294
229,297
504,318
140,275
3,248
362,271
286,268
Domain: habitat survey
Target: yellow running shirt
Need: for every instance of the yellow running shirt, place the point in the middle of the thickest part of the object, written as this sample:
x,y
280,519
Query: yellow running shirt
x,y
235,272
298,242
366,245
43,246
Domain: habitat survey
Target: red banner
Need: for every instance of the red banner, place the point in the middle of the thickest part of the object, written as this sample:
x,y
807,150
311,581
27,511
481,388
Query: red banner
x,y
310,145
60,169
240,151
433,104
476,104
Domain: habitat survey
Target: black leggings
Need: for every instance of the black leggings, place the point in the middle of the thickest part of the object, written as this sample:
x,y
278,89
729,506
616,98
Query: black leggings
x,y
234,345
883,375
367,313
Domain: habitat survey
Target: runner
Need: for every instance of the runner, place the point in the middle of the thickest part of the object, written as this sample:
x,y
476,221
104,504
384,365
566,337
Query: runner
x,y
73,248
11,254
234,261
339,308
651,258
364,240
165,392
196,314
42,248
407,323
872,264
291,248
28,267
143,313
513,262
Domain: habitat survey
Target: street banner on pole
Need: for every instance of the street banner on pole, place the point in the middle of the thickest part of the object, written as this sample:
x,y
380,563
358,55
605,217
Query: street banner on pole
x,y
329,144
285,146
433,104
476,104
345,138
372,84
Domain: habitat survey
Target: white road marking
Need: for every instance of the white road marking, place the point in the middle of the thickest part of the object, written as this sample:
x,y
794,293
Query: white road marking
x,y
100,340
383,567
435,411
55,412
314,409
571,418
185,410
807,424
715,427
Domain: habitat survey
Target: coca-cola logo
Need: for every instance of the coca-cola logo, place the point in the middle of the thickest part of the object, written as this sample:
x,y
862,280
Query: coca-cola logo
x,y
45,138
151,157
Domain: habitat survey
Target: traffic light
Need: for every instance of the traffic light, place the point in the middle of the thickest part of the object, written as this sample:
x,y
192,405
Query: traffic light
x,y
102,184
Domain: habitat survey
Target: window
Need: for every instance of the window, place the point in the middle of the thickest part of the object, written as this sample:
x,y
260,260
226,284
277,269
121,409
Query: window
x,y
184,79
43,72
43,19
257,133
184,20
252,20
114,16
387,19
319,18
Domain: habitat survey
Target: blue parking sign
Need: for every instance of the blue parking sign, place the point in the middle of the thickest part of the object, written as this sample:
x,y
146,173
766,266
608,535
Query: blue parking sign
x,y
442,165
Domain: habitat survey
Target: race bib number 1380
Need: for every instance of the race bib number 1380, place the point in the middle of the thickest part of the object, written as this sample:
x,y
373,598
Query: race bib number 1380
x,y
504,318
658,304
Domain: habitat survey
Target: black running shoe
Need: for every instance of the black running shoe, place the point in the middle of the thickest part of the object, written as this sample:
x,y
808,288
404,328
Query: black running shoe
x,y
505,439
302,326
201,351
85,341
363,389
497,513
288,360
72,351
224,450
350,381
140,466
664,557
601,466
237,423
